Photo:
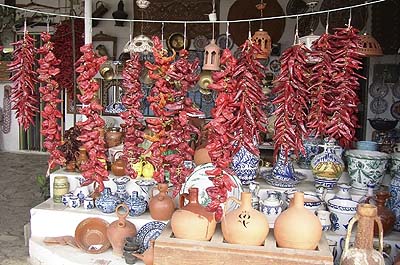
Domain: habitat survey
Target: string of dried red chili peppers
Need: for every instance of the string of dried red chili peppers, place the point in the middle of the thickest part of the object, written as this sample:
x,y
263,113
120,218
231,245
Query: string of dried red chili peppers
x,y
132,117
238,118
50,95
23,94
92,128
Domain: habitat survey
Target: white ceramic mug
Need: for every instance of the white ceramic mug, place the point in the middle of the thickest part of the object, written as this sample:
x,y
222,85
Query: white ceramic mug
x,y
74,202
88,203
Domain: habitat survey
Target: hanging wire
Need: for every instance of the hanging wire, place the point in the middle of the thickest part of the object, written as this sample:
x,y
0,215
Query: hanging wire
x,y
199,21
24,27
213,31
162,34
213,6
327,23
227,35
184,36
249,31
48,24
296,34
349,23
130,31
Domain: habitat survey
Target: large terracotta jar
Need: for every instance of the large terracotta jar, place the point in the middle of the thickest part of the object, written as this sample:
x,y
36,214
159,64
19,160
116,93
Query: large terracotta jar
x,y
244,225
192,221
161,206
385,214
297,227
363,251
118,230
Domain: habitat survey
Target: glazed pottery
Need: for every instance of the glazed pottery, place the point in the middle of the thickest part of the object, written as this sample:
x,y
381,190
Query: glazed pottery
x,y
311,147
192,221
245,225
60,187
65,198
394,201
245,165
312,201
121,192
297,227
146,187
369,197
272,207
81,158
148,232
342,210
325,219
367,145
81,192
363,252
118,167
148,256
387,217
88,203
118,230
91,235
327,166
136,203
107,202
74,202
395,163
365,167
343,191
283,169
113,137
201,156
161,206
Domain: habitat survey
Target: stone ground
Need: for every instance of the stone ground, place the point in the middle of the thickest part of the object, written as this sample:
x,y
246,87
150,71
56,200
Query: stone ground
x,y
18,194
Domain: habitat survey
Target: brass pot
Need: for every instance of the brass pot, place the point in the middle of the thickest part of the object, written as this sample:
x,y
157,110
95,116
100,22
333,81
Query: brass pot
x,y
205,79
107,72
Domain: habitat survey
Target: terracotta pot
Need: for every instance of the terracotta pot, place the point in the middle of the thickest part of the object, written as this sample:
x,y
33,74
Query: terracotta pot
x,y
113,137
201,156
118,167
81,158
363,251
297,227
161,206
148,256
118,230
192,221
387,217
70,166
245,225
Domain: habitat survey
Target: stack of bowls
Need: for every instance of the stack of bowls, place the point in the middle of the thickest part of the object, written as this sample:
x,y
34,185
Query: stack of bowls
x,y
367,145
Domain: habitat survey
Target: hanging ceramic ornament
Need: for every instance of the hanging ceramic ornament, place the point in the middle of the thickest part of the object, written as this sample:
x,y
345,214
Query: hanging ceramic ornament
x,y
261,37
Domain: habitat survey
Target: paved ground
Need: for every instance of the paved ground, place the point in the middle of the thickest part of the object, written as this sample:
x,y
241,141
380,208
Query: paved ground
x,y
18,194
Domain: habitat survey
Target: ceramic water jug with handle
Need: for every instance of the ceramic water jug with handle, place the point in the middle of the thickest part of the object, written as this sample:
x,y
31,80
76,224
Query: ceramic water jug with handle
x,y
161,206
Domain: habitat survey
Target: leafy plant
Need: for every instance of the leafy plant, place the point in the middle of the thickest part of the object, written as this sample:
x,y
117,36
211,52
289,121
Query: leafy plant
x,y
44,185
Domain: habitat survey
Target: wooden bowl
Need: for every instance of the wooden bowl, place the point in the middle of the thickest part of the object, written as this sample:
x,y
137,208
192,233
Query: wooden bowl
x,y
91,235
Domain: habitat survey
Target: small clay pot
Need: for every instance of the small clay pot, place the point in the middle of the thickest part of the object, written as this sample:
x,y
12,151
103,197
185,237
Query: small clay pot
x,y
113,137
118,167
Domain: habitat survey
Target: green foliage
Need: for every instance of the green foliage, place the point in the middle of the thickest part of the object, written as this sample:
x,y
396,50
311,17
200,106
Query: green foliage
x,y
44,185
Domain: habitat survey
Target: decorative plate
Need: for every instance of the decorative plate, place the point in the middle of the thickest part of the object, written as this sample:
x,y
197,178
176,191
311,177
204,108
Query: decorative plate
x,y
295,7
275,66
176,42
267,176
396,89
91,235
200,42
221,41
378,105
151,230
378,89
395,110
200,180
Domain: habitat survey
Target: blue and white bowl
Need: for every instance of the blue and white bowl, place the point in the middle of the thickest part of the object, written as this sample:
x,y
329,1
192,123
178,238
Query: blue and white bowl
x,y
342,211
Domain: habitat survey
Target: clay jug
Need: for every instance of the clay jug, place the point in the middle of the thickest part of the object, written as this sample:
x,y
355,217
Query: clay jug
x,y
385,214
161,206
113,137
244,225
118,230
148,256
118,167
363,252
192,221
81,158
297,227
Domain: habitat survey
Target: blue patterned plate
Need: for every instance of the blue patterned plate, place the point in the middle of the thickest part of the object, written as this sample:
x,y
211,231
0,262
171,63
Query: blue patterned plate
x,y
151,230
267,176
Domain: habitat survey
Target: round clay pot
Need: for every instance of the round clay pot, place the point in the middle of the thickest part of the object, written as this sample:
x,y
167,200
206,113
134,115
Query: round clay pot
x,y
82,157
297,227
161,206
113,137
201,156
245,225
387,217
120,229
192,221
118,167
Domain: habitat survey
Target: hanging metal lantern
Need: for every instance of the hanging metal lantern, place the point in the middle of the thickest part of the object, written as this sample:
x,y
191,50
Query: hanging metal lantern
x,y
211,57
263,40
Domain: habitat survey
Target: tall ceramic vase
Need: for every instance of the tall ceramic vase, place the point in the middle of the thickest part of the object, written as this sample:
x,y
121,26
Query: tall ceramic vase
x,y
161,206
297,227
192,221
363,251
118,230
245,165
244,225
394,201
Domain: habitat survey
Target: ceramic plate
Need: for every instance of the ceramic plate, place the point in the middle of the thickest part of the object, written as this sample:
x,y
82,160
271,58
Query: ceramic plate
x,y
378,105
378,89
200,42
275,66
396,89
267,176
221,42
395,110
151,230
199,179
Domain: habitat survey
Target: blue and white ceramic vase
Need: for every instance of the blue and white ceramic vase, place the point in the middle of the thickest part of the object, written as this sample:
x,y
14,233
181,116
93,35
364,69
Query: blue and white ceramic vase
x,y
136,203
327,166
121,192
245,165
283,168
394,200
107,202
311,146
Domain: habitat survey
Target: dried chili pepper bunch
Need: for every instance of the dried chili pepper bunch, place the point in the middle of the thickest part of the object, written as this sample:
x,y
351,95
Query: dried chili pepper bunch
x,y
238,117
291,101
50,94
132,117
63,49
172,130
23,94
92,129
71,144
333,85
